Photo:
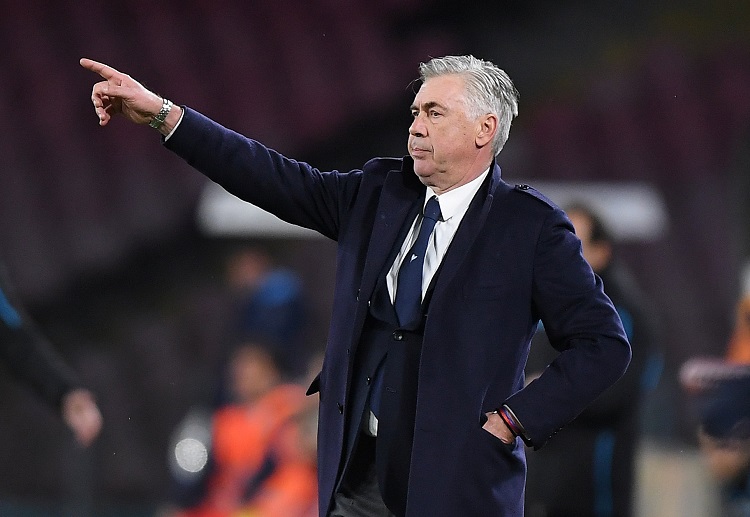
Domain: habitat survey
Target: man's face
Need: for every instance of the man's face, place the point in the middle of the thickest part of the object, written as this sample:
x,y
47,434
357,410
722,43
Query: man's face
x,y
442,139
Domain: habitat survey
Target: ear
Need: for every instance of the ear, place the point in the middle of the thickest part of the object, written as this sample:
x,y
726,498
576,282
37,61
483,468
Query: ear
x,y
486,129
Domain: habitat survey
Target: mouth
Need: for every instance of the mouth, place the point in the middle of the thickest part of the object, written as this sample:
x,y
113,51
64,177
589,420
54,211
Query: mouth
x,y
417,152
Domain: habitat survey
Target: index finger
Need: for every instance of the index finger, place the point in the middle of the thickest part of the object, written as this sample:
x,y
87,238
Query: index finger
x,y
106,71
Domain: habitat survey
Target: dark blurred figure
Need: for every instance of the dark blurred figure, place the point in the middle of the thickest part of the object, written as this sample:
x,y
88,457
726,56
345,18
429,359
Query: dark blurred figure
x,y
30,357
724,438
719,390
268,302
589,469
260,460
248,430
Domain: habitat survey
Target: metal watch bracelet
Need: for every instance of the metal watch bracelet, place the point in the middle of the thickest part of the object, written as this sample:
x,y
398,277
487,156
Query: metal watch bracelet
x,y
159,118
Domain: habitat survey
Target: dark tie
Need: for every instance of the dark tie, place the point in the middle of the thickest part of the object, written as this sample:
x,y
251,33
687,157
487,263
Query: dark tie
x,y
409,291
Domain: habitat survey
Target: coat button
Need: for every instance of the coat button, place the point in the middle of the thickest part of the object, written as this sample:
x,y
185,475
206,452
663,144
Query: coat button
x,y
368,381
341,407
398,336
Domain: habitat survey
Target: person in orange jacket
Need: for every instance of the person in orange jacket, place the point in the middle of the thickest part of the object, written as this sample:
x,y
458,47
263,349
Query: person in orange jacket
x,y
258,467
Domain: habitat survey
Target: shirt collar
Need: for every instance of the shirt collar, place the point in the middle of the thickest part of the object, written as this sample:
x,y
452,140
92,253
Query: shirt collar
x,y
456,200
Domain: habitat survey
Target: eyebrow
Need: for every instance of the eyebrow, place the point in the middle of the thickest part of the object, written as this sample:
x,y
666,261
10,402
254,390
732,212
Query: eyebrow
x,y
428,105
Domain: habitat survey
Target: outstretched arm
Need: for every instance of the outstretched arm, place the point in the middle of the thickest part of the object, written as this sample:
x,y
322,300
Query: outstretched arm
x,y
120,93
31,358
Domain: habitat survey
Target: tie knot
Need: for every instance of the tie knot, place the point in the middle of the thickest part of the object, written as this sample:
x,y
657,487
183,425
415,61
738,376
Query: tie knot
x,y
432,209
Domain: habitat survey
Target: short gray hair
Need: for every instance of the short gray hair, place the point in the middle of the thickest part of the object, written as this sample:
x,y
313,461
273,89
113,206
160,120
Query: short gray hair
x,y
488,90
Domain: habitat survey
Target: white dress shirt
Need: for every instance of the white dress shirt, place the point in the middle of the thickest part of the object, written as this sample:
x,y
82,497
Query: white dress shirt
x,y
453,207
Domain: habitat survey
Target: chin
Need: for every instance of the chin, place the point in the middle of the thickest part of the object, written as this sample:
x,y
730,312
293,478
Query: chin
x,y
424,178
423,170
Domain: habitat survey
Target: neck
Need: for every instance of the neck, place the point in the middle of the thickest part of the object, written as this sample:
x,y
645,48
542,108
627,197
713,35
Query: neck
x,y
473,173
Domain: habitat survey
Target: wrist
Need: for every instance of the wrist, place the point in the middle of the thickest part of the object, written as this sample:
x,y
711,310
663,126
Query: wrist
x,y
171,121
513,424
508,422
157,121
497,426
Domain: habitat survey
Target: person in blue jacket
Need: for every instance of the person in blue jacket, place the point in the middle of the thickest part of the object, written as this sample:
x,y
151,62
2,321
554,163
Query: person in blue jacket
x,y
31,359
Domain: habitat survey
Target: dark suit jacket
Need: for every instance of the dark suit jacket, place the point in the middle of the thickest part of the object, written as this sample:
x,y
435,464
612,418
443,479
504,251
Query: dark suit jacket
x,y
513,260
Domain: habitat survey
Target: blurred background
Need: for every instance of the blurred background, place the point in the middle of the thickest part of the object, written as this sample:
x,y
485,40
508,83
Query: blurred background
x,y
120,252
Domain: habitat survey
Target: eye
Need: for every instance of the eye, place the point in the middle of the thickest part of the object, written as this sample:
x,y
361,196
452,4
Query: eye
x,y
435,114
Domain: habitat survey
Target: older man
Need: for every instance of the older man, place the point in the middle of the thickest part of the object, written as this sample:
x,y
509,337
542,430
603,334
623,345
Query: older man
x,y
443,273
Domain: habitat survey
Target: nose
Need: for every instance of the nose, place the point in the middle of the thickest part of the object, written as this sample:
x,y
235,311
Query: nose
x,y
417,127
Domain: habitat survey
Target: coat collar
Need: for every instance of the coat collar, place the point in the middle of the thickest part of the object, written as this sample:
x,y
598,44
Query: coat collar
x,y
399,202
398,205
469,229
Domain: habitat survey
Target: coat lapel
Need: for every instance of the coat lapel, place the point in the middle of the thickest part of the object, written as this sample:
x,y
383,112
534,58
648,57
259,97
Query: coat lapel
x,y
467,232
397,207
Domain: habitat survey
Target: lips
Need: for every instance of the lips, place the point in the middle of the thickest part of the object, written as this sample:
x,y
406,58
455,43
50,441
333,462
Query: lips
x,y
418,151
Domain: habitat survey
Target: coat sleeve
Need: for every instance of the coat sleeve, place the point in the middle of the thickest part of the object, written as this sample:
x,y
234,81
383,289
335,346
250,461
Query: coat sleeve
x,y
293,191
583,327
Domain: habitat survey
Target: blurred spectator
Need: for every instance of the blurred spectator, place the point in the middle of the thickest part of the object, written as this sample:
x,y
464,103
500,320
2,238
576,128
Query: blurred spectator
x,y
30,357
602,441
262,452
720,392
268,303
724,438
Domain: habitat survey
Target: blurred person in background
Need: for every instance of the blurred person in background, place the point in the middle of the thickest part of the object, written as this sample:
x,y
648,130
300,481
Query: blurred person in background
x,y
262,451
602,441
500,259
31,359
260,300
719,392
724,440
268,302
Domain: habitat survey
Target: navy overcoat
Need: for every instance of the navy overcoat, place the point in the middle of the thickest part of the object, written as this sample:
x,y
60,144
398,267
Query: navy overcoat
x,y
513,261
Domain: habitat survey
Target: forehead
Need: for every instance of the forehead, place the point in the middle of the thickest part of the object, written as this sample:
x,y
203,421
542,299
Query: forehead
x,y
445,90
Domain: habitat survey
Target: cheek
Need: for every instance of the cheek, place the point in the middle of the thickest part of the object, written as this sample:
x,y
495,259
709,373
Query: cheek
x,y
447,147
